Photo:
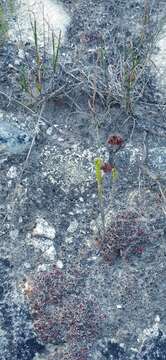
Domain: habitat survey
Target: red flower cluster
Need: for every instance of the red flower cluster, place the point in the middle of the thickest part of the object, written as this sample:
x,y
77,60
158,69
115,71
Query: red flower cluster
x,y
106,167
115,140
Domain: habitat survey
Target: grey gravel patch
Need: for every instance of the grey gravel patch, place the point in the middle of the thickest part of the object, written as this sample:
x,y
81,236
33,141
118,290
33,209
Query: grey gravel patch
x,y
157,157
12,139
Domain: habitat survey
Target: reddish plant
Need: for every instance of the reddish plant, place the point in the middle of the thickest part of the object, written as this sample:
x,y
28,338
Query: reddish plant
x,y
115,139
61,313
106,167
70,354
127,235
114,143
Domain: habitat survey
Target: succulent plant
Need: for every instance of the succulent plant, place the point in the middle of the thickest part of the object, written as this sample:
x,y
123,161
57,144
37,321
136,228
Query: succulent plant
x,y
61,312
126,235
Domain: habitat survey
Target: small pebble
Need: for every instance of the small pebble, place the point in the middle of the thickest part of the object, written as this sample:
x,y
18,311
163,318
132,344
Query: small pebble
x,y
14,234
59,264
51,253
69,240
73,226
42,228
119,306
12,172
157,318
21,53
49,130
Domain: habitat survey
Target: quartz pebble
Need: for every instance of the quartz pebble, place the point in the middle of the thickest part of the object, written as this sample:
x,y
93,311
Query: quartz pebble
x,y
73,226
42,228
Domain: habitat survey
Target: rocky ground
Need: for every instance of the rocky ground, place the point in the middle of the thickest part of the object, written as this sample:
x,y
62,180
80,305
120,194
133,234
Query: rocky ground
x,y
67,291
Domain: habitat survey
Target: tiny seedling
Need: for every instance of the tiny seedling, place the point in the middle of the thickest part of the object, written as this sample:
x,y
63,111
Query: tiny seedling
x,y
38,80
55,50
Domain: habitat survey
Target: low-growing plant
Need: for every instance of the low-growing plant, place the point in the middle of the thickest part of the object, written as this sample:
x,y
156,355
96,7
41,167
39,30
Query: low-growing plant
x,y
61,312
126,235
123,66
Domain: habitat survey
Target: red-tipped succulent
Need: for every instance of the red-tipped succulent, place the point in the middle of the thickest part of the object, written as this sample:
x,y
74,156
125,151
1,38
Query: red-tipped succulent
x,y
106,167
115,141
61,312
125,237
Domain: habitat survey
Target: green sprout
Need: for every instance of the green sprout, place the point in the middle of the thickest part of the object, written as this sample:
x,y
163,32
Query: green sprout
x,y
55,50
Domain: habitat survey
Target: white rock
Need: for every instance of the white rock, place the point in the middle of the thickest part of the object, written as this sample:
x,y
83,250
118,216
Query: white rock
x,y
21,53
10,66
119,306
9,183
27,265
59,264
42,267
17,62
69,240
73,226
42,228
40,244
12,173
51,253
14,234
93,225
49,130
134,349
157,318
93,258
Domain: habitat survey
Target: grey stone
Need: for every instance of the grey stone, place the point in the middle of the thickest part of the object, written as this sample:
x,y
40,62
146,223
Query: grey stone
x,y
42,228
12,139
